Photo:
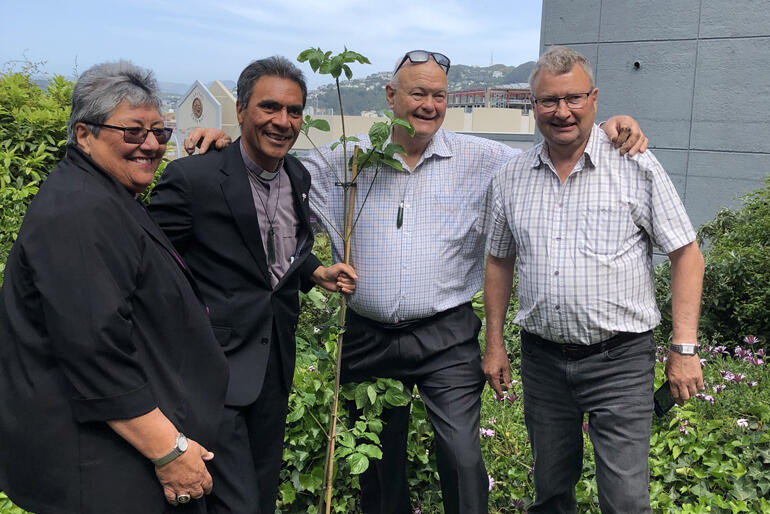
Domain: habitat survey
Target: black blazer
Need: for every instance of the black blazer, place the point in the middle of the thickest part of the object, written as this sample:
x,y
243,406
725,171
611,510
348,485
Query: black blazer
x,y
204,205
98,321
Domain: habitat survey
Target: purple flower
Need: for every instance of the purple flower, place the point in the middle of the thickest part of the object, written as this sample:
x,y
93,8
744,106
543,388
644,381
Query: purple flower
x,y
518,503
683,429
705,397
719,388
743,422
585,426
751,339
487,432
753,383
511,397
492,420
491,482
311,368
761,352
702,362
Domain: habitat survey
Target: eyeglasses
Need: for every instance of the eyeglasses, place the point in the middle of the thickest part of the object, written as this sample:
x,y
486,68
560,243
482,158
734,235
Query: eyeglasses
x,y
573,101
418,56
137,135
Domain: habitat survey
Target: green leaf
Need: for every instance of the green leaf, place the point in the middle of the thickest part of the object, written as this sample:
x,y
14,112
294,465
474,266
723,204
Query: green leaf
x,y
346,439
370,450
287,492
358,463
396,398
392,149
378,133
372,393
405,124
296,414
396,165
361,396
310,482
375,425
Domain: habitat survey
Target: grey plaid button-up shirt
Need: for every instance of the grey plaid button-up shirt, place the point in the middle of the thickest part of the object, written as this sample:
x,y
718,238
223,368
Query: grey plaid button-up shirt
x,y
434,261
584,248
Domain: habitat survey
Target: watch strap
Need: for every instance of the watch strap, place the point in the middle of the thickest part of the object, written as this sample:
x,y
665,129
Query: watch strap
x,y
685,348
175,452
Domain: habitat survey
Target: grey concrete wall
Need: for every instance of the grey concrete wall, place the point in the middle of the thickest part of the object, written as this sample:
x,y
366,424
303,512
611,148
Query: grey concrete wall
x,y
701,91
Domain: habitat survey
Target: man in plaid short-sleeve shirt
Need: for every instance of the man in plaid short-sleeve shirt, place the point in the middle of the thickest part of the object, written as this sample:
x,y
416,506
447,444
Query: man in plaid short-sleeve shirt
x,y
582,220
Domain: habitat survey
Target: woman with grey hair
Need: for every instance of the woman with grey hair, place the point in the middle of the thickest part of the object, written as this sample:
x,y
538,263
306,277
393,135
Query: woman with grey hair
x,y
111,381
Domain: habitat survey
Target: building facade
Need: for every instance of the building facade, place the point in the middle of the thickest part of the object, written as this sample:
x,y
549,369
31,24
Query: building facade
x,y
694,73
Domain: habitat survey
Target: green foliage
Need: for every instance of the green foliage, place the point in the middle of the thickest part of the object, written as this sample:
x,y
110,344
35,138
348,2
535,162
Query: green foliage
x,y
32,140
327,64
736,285
7,506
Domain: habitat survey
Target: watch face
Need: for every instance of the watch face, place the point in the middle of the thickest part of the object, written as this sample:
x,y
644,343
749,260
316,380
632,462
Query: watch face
x,y
181,443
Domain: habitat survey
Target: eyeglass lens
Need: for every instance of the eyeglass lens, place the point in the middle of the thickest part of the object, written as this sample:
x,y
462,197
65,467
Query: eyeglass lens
x,y
137,135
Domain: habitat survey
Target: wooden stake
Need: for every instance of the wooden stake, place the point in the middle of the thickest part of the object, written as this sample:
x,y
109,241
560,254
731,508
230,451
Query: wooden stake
x,y
329,465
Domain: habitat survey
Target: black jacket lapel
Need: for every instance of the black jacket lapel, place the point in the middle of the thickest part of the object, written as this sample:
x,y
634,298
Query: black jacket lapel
x,y
237,192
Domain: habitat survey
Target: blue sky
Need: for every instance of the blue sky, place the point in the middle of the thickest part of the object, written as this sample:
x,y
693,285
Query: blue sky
x,y
187,40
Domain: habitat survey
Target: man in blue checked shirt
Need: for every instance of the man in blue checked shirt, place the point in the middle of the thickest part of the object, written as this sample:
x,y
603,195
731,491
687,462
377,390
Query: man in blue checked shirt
x,y
418,250
582,220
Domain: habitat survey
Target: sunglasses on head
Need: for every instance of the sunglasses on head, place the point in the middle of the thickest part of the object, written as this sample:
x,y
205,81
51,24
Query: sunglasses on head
x,y
137,135
419,56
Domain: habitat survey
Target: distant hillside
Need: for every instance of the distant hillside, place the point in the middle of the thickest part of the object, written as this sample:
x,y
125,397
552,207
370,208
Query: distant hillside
x,y
368,94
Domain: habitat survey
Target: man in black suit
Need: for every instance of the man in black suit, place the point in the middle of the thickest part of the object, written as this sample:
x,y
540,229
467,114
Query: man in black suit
x,y
240,219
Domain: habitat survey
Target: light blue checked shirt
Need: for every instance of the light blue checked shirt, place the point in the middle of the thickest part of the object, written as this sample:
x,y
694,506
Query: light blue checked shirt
x,y
435,260
584,248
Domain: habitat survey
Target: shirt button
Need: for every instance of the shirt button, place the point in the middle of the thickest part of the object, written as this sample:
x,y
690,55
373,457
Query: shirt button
x,y
558,238
556,308
556,273
265,340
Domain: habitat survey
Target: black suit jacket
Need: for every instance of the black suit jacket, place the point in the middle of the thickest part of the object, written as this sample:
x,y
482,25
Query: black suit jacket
x,y
98,321
204,205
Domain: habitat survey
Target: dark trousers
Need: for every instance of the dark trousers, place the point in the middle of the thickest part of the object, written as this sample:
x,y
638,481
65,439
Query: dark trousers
x,y
249,449
441,356
615,388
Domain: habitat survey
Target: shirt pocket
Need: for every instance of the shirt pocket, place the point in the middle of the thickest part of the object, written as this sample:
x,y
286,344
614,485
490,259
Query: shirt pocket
x,y
606,227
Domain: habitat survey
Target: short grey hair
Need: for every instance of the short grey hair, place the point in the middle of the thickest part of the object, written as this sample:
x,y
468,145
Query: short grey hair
x,y
102,87
275,66
560,60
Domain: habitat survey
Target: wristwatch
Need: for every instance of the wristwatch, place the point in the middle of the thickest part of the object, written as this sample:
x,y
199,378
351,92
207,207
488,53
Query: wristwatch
x,y
685,348
176,451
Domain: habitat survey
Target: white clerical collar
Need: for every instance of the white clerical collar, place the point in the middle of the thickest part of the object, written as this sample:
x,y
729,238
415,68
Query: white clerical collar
x,y
256,169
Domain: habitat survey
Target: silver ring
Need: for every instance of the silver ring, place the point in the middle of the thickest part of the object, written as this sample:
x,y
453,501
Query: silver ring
x,y
183,498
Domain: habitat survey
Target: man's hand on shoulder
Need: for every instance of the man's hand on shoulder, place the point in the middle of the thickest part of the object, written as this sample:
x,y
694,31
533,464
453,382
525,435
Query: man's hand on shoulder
x,y
626,134
203,138
686,376
338,277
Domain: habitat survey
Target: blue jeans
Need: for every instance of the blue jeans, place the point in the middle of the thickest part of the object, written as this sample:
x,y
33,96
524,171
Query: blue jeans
x,y
615,388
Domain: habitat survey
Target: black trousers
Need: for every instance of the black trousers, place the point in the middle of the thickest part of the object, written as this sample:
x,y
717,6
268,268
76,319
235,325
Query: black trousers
x,y
248,454
441,356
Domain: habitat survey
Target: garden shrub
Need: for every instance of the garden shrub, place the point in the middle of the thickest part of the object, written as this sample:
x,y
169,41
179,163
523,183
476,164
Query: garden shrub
x,y
736,284
33,135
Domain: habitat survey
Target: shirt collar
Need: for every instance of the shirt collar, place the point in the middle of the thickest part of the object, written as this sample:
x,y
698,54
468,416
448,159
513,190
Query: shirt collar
x,y
255,169
591,152
437,146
